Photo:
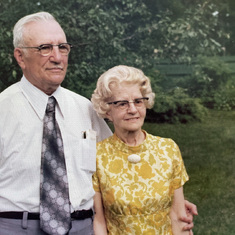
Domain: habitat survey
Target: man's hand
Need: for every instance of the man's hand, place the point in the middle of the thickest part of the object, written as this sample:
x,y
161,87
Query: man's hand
x,y
191,210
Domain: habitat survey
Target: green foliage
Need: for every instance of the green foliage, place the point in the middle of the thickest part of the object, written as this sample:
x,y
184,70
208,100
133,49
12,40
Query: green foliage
x,y
223,99
172,104
8,67
186,36
104,33
139,33
177,107
209,75
102,38
227,21
110,32
209,82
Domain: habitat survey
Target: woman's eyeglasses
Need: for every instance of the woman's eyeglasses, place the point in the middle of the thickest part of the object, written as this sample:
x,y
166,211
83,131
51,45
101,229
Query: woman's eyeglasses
x,y
125,104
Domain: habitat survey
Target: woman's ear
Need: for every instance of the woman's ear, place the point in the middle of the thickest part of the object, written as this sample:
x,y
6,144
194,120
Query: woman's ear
x,y
108,116
19,57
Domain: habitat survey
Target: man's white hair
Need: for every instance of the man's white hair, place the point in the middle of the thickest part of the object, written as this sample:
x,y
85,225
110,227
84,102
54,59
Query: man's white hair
x,y
18,31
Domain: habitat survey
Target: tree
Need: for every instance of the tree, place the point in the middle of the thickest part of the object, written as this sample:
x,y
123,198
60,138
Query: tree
x,y
111,32
182,37
98,30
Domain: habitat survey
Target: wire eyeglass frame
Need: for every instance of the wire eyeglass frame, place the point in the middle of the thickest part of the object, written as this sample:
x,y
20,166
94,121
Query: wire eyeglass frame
x,y
46,49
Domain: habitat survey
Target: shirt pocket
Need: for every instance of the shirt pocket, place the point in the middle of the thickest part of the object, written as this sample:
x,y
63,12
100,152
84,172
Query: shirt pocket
x,y
88,162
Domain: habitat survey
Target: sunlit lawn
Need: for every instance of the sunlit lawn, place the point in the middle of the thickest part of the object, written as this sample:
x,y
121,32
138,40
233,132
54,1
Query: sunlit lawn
x,y
208,150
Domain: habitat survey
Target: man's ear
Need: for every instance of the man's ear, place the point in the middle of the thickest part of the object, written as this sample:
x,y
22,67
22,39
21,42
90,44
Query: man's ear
x,y
19,57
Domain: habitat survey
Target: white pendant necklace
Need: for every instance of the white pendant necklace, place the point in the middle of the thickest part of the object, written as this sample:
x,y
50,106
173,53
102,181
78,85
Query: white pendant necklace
x,y
133,158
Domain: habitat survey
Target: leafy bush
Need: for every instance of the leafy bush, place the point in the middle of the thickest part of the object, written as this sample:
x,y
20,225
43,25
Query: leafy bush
x,y
209,75
222,100
106,33
173,106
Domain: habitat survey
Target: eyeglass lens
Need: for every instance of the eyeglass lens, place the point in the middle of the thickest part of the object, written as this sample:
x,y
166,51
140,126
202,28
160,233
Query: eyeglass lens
x,y
126,104
46,49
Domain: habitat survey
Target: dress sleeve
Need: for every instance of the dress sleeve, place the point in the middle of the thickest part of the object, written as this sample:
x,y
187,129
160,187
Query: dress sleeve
x,y
179,175
95,181
95,178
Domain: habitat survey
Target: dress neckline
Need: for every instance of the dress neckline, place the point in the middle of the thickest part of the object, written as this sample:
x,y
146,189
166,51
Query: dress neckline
x,y
123,147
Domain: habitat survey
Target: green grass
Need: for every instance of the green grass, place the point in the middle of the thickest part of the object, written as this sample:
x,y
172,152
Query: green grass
x,y
208,150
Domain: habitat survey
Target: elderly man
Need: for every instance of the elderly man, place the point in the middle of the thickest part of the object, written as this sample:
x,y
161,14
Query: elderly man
x,y
41,50
47,139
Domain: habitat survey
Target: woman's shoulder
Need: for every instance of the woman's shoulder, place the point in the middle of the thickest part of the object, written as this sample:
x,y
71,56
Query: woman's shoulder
x,y
104,142
159,139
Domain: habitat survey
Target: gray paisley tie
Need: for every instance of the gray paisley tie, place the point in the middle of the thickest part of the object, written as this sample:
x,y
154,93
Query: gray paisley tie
x,y
54,195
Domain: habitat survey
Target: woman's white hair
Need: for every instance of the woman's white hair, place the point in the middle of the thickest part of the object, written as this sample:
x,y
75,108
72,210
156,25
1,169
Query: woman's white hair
x,y
18,31
113,78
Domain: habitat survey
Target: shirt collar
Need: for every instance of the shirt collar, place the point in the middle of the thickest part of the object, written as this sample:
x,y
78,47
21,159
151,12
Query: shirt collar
x,y
39,99
60,98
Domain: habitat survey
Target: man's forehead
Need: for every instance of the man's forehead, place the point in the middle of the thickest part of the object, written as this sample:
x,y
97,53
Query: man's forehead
x,y
42,25
44,32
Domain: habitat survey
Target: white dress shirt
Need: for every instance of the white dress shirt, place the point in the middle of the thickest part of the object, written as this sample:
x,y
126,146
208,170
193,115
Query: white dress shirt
x,y
22,109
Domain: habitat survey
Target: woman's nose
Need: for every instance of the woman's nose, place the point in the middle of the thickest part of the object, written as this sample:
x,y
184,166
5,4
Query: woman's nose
x,y
131,108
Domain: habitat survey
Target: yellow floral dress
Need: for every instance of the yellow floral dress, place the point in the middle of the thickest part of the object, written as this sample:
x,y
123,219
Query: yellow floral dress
x,y
137,196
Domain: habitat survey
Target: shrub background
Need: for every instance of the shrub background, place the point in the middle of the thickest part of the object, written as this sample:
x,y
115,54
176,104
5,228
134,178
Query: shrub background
x,y
144,34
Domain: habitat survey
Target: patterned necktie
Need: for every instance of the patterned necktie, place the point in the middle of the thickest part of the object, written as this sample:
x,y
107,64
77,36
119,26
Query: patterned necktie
x,y
54,195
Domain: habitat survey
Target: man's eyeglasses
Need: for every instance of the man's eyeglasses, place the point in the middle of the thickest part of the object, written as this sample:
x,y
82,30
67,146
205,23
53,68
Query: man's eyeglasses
x,y
46,49
125,104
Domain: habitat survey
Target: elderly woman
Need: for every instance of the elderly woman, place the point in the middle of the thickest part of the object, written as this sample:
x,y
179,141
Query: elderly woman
x,y
140,177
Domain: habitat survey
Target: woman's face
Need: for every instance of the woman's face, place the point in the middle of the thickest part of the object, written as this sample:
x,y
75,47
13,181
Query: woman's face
x,y
131,117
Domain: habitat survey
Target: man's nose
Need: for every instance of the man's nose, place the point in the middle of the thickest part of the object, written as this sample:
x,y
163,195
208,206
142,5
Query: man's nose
x,y
55,55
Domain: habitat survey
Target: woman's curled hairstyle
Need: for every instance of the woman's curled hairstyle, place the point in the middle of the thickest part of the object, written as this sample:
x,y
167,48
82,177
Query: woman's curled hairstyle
x,y
113,78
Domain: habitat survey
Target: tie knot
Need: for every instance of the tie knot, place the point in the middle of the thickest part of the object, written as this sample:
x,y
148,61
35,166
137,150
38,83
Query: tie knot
x,y
51,104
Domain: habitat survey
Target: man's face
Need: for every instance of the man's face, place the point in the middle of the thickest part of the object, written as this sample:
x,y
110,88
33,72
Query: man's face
x,y
44,72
